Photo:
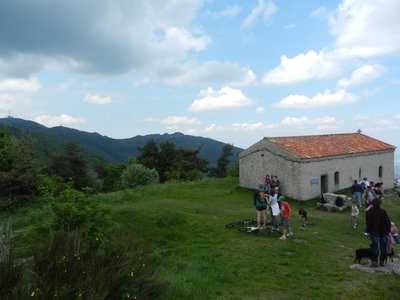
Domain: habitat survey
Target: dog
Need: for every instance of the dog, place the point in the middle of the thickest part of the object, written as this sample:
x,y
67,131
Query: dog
x,y
367,253
362,253
390,255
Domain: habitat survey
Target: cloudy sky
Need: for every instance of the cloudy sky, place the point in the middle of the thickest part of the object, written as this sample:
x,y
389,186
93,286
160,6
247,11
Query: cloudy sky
x,y
234,71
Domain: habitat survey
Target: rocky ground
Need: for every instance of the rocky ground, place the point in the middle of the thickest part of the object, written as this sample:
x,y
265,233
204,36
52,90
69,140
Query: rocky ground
x,y
390,268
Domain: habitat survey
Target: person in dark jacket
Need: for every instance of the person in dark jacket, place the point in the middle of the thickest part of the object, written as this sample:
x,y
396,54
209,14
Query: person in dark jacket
x,y
378,228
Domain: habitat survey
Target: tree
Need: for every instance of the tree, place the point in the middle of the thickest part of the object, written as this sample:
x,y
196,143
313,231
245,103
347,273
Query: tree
x,y
112,181
221,171
136,174
171,162
71,166
20,170
149,155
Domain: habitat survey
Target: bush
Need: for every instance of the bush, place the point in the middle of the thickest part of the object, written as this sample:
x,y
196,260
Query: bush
x,y
74,267
137,174
74,210
10,272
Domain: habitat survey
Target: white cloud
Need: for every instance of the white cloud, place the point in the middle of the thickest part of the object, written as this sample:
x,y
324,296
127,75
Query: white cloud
x,y
366,28
186,40
211,72
62,119
249,127
14,93
230,11
320,12
361,28
179,120
20,85
396,81
294,121
260,110
361,75
361,118
321,124
397,117
225,98
340,97
326,123
96,99
263,10
300,68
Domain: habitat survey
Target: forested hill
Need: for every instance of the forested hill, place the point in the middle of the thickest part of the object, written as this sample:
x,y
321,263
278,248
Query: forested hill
x,y
114,150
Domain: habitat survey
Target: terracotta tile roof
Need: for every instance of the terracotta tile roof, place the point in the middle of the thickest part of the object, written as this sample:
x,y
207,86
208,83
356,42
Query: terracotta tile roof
x,y
316,146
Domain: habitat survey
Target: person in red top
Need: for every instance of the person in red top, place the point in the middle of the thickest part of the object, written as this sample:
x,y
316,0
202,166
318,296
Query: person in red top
x,y
285,213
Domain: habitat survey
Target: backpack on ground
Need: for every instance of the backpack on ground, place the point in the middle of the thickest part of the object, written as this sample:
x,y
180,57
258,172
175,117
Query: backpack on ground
x,y
339,201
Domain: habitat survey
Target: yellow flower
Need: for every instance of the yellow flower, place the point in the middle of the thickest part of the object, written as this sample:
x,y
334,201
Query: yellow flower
x,y
33,294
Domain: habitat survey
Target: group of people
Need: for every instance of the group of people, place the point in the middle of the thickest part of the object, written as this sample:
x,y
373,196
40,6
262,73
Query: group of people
x,y
364,192
271,182
380,230
269,201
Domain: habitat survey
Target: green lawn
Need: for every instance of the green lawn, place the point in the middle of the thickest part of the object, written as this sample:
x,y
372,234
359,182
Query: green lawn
x,y
201,259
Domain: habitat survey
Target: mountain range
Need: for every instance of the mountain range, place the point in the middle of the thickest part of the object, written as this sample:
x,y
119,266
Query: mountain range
x,y
114,150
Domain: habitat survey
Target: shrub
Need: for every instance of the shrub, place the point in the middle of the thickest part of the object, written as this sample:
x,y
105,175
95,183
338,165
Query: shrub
x,y
193,175
136,174
10,272
73,266
75,210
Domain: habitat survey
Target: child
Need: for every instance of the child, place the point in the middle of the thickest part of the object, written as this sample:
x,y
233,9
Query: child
x,y
285,212
394,232
354,214
303,216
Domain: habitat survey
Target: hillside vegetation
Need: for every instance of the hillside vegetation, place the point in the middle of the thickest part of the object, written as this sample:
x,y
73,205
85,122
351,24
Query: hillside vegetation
x,y
112,150
183,225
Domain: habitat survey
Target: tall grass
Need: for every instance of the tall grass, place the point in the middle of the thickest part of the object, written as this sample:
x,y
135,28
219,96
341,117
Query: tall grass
x,y
202,259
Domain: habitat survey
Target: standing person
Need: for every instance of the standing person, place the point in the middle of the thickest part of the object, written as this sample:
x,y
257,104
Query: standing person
x,y
273,203
303,216
356,193
395,233
285,212
267,183
275,182
378,188
364,184
354,214
378,228
369,195
260,203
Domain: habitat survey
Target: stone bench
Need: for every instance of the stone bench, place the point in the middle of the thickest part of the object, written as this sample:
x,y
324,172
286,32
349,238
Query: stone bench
x,y
330,204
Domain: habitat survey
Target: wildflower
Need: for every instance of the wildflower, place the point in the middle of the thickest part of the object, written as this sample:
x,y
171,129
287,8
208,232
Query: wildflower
x,y
33,294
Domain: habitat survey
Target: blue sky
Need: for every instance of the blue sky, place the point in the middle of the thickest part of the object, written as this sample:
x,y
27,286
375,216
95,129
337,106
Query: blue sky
x,y
234,71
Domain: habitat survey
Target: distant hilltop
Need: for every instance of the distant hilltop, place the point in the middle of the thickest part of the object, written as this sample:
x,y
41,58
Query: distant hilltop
x,y
117,150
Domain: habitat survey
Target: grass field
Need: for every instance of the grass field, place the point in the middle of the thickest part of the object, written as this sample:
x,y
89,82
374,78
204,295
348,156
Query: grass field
x,y
202,259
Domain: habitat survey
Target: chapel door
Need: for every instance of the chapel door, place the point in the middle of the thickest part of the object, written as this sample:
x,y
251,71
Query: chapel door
x,y
324,183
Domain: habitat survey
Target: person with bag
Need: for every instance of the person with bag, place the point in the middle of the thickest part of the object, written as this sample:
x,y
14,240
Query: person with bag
x,y
260,202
